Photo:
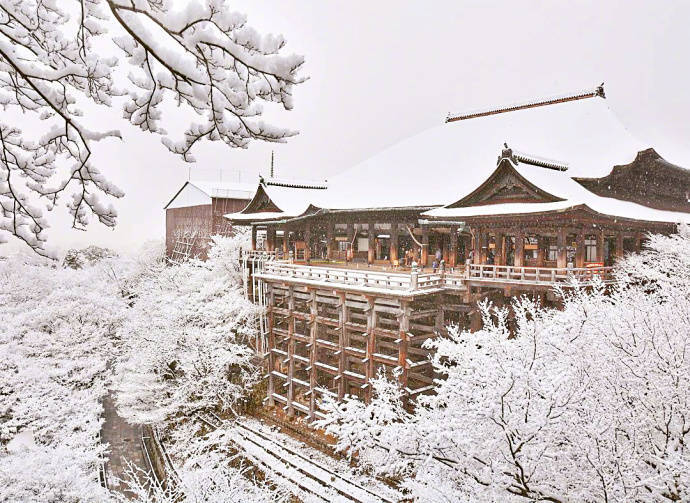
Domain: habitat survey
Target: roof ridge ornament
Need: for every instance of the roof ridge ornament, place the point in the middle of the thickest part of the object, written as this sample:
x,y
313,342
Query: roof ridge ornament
x,y
562,98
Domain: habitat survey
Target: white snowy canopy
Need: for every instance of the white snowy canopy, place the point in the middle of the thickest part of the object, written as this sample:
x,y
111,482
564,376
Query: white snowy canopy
x,y
195,193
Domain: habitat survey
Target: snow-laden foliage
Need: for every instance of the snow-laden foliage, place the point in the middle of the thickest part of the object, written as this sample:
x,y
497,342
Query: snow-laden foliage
x,y
60,57
186,340
209,470
56,335
588,403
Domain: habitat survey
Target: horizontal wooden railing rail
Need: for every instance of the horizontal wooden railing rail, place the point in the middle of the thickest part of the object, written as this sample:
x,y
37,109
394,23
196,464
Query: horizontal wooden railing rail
x,y
513,274
358,277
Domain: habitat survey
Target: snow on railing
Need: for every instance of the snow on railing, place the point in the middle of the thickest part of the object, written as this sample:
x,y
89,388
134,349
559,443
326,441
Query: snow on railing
x,y
537,275
354,277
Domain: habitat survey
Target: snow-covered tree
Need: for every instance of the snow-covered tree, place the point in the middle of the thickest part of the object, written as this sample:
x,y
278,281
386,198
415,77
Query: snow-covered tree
x,y
56,335
587,403
56,62
186,340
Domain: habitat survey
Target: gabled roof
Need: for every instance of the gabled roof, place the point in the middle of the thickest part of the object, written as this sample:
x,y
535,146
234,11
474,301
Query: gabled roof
x,y
196,193
278,199
570,193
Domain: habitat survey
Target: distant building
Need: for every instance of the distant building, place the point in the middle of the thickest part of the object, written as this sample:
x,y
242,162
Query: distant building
x,y
195,213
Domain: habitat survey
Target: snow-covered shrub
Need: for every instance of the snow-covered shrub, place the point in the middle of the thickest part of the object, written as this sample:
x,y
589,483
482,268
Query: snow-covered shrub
x,y
587,403
185,341
78,259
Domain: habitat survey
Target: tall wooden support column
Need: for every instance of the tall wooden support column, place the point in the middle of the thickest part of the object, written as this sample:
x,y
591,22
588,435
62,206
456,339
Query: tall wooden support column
x,y
313,350
330,240
638,242
271,343
271,238
291,351
562,249
350,242
393,254
253,237
619,245
476,247
371,232
580,250
405,311
371,346
425,246
286,242
342,344
453,258
520,248
307,239
600,246
540,251
499,250
483,247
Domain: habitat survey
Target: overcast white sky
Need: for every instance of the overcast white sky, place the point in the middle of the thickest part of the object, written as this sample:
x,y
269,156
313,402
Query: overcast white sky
x,y
381,71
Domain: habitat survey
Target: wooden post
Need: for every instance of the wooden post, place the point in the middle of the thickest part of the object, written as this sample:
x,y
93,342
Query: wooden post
x,y
638,242
270,238
425,246
271,346
291,351
540,251
372,242
453,258
483,247
253,237
580,249
520,248
330,239
562,249
314,330
342,320
445,248
307,240
499,251
393,255
371,346
600,246
350,242
619,245
404,328
286,242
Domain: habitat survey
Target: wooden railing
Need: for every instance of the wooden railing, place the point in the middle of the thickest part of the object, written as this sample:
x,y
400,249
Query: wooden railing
x,y
536,275
354,277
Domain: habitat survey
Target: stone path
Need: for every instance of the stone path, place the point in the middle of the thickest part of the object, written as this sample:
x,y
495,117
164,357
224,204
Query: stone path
x,y
125,445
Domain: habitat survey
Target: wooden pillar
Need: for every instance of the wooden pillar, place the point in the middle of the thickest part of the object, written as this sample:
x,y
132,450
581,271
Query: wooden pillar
x,y
638,242
330,239
445,248
253,237
371,346
342,321
453,258
271,343
580,249
562,250
540,251
619,245
499,250
291,351
313,351
270,238
393,254
372,242
425,246
350,241
307,240
600,246
404,329
520,248
286,242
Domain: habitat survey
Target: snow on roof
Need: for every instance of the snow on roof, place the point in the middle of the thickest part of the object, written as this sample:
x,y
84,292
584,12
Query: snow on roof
x,y
561,185
445,163
195,193
291,197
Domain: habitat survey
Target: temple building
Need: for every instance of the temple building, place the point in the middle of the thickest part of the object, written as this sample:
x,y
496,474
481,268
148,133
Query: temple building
x,y
358,273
